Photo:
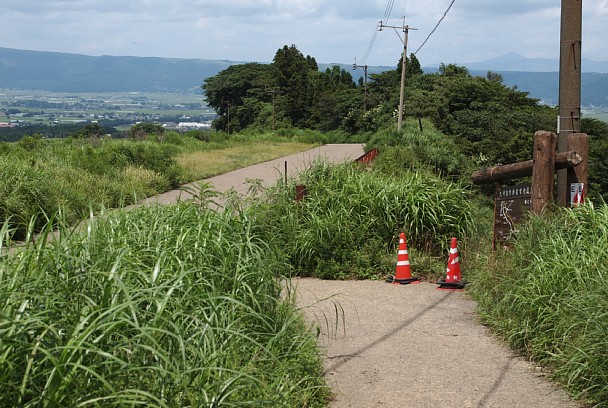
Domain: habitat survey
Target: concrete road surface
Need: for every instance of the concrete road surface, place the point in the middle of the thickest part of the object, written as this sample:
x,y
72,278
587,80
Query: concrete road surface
x,y
415,346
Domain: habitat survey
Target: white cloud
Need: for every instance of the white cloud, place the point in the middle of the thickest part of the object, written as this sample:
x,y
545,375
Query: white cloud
x,y
329,30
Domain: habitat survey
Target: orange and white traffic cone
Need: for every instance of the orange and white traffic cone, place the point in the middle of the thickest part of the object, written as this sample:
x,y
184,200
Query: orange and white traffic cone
x,y
403,273
453,279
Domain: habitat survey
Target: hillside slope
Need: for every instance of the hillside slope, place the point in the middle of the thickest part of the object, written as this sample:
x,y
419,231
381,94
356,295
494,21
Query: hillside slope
x,y
60,72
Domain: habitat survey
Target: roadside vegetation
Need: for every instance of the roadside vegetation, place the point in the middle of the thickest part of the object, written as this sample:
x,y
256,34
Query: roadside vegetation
x,y
160,306
182,305
69,178
548,297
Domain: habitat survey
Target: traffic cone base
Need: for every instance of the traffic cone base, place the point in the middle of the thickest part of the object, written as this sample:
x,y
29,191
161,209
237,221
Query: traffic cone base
x,y
412,280
453,279
456,286
403,274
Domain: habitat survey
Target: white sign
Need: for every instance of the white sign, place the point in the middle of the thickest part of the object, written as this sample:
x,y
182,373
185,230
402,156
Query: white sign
x,y
577,194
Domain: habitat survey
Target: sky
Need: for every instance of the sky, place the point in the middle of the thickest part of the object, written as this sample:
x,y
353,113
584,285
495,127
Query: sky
x,y
332,31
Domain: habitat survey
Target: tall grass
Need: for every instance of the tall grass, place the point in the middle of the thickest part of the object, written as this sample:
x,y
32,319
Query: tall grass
x,y
347,225
160,306
549,298
73,176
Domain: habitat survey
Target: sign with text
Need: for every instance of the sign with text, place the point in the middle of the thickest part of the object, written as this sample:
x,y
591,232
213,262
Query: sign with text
x,y
577,194
512,205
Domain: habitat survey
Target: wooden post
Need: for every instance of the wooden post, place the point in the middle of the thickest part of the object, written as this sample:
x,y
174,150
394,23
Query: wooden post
x,y
543,170
580,173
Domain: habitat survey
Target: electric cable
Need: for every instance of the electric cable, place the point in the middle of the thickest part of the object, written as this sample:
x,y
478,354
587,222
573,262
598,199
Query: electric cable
x,y
389,10
436,26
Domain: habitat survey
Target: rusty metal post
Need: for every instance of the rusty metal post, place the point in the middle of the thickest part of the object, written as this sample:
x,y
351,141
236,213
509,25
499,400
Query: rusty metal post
x,y
569,119
543,170
300,192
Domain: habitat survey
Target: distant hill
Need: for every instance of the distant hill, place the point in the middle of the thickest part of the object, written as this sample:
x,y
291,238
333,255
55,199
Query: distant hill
x,y
545,86
517,62
61,72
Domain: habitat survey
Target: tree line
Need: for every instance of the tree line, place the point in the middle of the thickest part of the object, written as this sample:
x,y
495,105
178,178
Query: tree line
x,y
490,122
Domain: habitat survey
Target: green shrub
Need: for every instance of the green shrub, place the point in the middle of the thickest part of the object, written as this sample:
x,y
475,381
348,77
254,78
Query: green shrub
x,y
415,150
25,192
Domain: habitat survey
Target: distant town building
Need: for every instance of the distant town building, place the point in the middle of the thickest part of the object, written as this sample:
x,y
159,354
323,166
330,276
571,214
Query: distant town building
x,y
186,126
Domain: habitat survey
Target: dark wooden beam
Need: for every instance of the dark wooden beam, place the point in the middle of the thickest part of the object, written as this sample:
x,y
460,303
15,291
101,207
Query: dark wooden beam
x,y
563,160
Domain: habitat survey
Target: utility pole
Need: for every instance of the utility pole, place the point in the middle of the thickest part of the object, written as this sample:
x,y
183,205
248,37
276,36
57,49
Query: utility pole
x,y
569,119
405,29
273,93
227,103
355,66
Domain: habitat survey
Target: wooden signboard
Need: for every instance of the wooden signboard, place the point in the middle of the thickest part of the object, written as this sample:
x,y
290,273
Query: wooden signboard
x,y
512,205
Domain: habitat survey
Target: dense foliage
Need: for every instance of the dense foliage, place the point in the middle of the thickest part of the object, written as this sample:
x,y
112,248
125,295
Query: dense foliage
x,y
289,92
162,307
598,159
348,223
51,132
482,114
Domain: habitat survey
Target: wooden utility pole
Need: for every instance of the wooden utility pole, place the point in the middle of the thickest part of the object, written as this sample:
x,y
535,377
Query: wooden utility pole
x,y
273,93
405,29
227,103
569,119
355,66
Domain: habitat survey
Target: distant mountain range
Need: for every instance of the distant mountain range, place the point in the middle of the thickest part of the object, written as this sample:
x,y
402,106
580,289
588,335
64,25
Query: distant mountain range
x,y
61,72
517,62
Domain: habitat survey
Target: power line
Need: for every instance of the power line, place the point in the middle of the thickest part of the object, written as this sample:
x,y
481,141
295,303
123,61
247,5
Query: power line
x,y
434,29
389,10
370,47
387,14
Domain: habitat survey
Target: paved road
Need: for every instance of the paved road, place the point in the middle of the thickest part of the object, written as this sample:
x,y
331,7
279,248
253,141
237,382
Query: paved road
x,y
415,346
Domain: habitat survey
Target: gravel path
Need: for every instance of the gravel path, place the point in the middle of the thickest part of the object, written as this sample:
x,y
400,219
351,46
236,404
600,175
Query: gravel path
x,y
400,346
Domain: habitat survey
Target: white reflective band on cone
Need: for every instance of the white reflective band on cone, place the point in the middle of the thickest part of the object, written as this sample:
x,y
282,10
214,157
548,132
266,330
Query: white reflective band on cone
x,y
403,263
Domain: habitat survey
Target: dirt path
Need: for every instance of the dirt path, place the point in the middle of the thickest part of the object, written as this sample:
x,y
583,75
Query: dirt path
x,y
400,346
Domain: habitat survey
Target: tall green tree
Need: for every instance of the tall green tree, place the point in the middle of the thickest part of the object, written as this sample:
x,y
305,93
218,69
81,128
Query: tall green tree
x,y
238,94
334,95
292,70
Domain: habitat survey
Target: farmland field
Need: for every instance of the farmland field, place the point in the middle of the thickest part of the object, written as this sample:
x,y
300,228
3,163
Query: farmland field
x,y
43,107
